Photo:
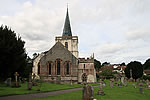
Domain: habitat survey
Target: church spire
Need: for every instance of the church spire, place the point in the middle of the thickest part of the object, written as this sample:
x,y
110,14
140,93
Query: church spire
x,y
67,27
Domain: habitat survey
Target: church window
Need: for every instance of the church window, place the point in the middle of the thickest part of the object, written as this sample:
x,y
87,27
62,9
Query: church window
x,y
84,66
58,67
66,45
67,68
50,69
38,69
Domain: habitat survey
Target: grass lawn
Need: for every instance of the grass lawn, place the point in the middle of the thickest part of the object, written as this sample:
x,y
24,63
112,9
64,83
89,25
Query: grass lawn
x,y
5,91
124,93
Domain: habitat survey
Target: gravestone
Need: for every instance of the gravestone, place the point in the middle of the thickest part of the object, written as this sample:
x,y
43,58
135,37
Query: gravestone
x,y
147,84
131,78
8,82
120,85
111,83
30,82
40,82
88,93
100,91
125,81
122,80
33,80
16,80
141,84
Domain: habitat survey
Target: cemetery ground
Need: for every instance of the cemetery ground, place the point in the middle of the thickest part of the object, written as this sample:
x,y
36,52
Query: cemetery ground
x,y
46,87
116,93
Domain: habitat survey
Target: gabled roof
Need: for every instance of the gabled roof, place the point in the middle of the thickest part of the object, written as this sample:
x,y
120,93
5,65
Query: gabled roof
x,y
67,27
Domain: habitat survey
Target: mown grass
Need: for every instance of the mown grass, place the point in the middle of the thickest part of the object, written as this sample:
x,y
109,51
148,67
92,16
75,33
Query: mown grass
x,y
5,91
124,93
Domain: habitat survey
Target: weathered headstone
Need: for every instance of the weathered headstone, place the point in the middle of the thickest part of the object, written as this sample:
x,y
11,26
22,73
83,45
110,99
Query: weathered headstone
x,y
100,91
8,82
141,84
40,82
111,83
88,93
131,78
30,82
33,80
120,85
147,84
122,80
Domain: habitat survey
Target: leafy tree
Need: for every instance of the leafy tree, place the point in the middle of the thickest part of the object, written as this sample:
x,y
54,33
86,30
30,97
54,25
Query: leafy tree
x,y
147,64
105,63
12,53
137,70
97,65
35,55
106,73
123,64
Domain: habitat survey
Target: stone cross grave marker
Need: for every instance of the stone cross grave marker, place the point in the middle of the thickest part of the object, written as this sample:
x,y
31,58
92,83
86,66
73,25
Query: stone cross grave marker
x,y
16,79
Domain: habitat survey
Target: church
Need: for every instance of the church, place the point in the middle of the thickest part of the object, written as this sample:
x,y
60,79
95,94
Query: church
x,y
61,62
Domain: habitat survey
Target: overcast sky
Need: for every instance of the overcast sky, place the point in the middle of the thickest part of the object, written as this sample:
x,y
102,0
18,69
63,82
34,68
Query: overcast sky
x,y
115,31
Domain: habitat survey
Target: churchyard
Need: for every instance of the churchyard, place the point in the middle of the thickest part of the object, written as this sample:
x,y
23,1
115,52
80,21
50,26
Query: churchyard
x,y
124,93
105,90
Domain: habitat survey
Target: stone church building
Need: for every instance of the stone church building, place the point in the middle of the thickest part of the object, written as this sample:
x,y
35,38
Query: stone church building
x,y
62,63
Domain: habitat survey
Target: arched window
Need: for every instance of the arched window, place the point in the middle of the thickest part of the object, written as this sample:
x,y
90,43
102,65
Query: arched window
x,y
38,69
49,68
84,66
67,69
58,67
66,45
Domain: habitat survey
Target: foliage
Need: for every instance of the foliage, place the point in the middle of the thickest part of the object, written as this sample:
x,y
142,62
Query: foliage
x,y
12,53
105,63
137,70
107,73
145,77
97,65
122,64
147,64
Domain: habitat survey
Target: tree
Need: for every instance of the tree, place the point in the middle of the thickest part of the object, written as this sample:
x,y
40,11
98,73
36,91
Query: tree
x,y
137,70
12,53
123,64
105,63
97,65
146,65
106,73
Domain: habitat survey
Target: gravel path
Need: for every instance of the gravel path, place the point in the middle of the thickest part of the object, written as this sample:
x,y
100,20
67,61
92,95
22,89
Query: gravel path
x,y
37,95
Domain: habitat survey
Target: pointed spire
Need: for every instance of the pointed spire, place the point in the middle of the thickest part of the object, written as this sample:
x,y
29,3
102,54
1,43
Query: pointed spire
x,y
67,27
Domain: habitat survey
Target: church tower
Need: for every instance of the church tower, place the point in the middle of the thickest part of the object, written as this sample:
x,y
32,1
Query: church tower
x,y
69,41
